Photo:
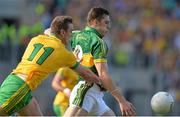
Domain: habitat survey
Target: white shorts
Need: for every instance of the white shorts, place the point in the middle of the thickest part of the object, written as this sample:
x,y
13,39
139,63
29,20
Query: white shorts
x,y
89,98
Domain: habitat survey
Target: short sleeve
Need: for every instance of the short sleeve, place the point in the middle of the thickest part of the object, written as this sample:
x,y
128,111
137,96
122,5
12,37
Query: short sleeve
x,y
99,51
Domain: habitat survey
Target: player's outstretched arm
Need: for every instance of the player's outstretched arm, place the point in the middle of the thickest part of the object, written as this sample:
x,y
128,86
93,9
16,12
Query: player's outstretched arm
x,y
56,83
126,107
87,74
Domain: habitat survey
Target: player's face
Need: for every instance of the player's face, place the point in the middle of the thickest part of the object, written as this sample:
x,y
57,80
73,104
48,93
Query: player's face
x,y
68,33
104,25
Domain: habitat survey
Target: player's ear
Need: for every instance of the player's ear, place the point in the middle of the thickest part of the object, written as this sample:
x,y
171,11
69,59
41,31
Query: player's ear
x,y
62,32
96,22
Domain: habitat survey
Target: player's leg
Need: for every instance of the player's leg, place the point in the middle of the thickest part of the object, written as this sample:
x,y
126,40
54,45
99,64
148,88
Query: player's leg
x,y
2,113
109,113
80,102
71,111
81,112
32,109
103,109
14,95
75,111
2,100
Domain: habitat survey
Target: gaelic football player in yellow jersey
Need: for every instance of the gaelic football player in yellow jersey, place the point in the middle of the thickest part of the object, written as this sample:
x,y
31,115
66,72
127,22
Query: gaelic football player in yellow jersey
x,y
43,55
63,82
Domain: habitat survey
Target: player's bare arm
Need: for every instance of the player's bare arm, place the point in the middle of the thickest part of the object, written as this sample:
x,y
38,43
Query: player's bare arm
x,y
56,81
56,84
125,106
87,74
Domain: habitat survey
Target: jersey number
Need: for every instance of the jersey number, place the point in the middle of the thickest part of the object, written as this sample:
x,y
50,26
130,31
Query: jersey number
x,y
44,56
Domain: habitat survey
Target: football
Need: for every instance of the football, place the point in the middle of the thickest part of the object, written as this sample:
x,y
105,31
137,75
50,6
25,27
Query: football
x,y
162,103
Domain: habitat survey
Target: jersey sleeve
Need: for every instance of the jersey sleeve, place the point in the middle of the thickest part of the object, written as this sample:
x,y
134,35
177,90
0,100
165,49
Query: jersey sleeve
x,y
99,51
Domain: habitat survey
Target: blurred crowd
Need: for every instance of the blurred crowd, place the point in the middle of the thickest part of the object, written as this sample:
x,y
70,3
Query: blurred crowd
x,y
144,33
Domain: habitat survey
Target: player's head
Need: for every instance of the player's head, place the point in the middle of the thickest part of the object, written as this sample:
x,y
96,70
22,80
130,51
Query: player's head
x,y
62,27
99,19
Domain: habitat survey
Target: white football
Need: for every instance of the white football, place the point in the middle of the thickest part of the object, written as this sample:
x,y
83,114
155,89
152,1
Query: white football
x,y
162,103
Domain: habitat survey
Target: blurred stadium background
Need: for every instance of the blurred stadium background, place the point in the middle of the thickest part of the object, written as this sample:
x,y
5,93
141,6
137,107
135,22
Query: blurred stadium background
x,y
145,44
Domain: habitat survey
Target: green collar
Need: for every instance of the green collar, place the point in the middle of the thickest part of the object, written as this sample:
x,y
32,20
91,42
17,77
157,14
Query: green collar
x,y
93,30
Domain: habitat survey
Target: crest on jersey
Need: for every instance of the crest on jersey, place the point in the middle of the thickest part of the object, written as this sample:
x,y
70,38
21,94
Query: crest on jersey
x,y
78,53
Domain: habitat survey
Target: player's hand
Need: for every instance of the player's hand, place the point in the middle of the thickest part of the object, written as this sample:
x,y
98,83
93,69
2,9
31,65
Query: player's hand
x,y
67,91
101,87
127,109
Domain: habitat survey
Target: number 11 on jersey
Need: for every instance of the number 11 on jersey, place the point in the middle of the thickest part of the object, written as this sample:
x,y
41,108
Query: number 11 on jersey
x,y
37,47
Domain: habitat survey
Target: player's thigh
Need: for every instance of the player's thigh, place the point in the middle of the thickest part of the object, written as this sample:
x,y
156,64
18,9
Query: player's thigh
x,y
14,94
32,109
70,111
74,111
109,113
81,112
103,109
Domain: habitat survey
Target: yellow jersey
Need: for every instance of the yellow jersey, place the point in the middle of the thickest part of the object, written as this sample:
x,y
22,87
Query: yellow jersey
x,y
43,55
70,79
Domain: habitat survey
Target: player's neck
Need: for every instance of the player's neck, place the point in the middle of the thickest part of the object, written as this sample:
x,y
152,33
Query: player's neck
x,y
59,37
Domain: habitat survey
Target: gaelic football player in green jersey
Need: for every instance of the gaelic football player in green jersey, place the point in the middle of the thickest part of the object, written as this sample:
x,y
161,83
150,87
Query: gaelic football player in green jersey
x,y
87,99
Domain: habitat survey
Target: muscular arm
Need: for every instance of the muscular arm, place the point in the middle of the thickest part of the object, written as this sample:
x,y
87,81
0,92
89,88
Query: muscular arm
x,y
107,80
126,107
87,74
56,85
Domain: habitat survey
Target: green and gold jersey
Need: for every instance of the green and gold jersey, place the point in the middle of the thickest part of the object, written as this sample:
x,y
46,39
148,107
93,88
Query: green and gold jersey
x,y
94,48
44,54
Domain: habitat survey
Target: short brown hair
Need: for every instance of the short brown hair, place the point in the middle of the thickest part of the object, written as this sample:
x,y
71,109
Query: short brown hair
x,y
96,13
60,22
